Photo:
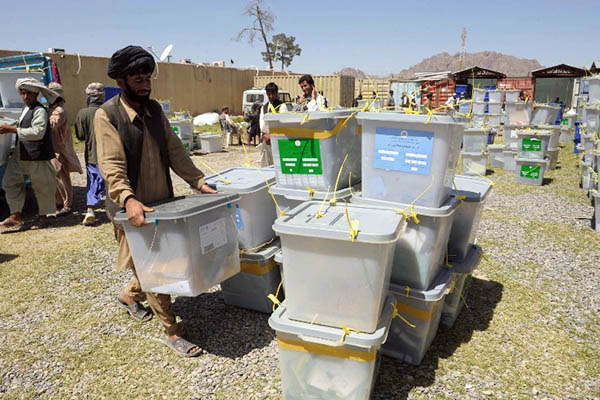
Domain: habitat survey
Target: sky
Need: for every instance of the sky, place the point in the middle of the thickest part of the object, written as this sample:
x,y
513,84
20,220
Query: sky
x,y
377,37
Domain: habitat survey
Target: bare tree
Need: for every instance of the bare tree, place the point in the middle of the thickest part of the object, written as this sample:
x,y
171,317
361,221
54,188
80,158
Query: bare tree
x,y
263,23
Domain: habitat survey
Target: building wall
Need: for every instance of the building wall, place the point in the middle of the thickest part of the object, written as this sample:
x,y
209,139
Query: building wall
x,y
367,86
194,88
338,90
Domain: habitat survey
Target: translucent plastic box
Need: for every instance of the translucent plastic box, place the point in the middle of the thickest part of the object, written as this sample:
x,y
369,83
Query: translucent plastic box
x,y
330,278
474,163
475,140
254,212
593,89
6,141
309,149
288,198
496,96
467,217
495,155
421,249
318,362
479,107
554,136
544,114
519,113
552,158
190,244
409,157
258,278
493,120
478,94
592,118
596,196
211,143
184,129
494,108
531,172
533,143
422,309
479,120
509,160
512,95
455,299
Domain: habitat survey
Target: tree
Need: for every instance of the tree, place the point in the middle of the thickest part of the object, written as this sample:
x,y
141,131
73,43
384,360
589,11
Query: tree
x,y
282,48
263,23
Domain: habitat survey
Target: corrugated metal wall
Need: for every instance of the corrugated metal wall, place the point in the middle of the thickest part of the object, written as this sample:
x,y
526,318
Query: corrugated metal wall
x,y
369,85
339,90
525,84
548,89
441,91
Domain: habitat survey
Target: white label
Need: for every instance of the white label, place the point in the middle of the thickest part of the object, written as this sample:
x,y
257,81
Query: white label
x,y
213,235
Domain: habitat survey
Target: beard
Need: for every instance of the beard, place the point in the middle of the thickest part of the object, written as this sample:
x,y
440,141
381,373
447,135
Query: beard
x,y
130,93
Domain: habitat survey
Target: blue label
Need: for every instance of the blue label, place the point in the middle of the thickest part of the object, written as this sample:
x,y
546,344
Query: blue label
x,y
238,217
403,150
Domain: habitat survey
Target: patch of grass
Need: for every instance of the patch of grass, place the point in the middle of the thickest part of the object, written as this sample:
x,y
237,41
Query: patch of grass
x,y
214,128
562,235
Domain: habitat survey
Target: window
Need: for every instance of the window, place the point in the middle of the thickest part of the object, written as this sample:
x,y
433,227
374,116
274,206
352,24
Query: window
x,y
254,97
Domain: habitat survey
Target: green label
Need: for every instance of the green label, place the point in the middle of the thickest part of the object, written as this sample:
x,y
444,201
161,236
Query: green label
x,y
530,171
532,144
300,156
176,130
565,121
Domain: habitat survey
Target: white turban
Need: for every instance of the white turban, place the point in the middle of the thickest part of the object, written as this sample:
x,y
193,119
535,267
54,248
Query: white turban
x,y
35,86
95,93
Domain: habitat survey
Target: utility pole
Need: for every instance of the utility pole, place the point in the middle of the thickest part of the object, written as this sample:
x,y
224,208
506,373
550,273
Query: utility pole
x,y
463,49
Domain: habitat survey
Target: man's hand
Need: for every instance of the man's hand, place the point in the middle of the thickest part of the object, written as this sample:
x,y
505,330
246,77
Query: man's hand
x,y
5,129
314,93
135,212
302,99
207,189
267,138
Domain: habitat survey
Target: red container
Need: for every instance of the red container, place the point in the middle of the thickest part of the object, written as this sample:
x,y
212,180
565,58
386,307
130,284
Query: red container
x,y
524,84
441,91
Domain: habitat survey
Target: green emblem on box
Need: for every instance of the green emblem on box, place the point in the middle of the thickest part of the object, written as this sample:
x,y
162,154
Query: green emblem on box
x,y
530,171
300,156
532,144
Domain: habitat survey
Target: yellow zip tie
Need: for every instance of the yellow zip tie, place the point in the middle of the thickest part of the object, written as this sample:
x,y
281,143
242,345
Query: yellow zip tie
x,y
337,180
396,314
312,321
319,214
311,192
354,224
225,180
407,289
260,246
448,263
305,118
463,299
347,332
275,298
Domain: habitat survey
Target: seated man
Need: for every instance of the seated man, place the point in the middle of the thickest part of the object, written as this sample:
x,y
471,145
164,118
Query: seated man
x,y
228,126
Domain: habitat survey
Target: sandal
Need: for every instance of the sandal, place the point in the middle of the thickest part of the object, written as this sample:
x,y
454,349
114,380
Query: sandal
x,y
137,311
183,347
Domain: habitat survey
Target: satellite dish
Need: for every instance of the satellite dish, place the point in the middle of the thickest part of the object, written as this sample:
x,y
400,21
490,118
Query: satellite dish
x,y
166,53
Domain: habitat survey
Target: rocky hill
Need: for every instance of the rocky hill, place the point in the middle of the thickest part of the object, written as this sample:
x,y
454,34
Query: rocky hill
x,y
510,65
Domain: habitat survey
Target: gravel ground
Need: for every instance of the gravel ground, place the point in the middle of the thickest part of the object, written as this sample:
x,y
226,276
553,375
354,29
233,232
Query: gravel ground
x,y
531,327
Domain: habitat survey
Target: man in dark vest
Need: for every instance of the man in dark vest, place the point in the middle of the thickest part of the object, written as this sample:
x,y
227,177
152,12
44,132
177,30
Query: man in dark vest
x,y
31,157
136,150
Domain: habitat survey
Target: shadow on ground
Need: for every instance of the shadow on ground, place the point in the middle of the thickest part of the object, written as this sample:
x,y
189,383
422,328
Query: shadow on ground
x,y
222,329
396,379
7,257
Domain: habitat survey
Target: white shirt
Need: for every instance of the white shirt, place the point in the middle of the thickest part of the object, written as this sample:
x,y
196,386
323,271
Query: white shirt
x,y
263,127
316,104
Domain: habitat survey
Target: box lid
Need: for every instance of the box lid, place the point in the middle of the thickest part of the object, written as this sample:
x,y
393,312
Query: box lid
x,y
470,262
436,291
183,206
444,211
264,253
280,322
475,189
241,179
294,118
375,225
307,195
531,161
411,118
209,135
533,132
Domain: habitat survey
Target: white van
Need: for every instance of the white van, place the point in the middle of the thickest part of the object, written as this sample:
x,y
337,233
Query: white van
x,y
258,95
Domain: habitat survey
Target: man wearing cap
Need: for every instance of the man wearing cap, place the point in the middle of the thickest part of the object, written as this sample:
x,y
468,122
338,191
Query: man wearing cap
x,y
66,160
84,130
136,150
32,155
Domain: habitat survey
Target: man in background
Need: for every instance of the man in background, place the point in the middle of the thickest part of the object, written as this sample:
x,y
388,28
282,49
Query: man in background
x,y
272,105
310,100
84,131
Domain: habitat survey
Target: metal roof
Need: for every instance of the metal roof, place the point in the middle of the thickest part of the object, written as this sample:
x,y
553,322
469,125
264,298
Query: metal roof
x,y
558,71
